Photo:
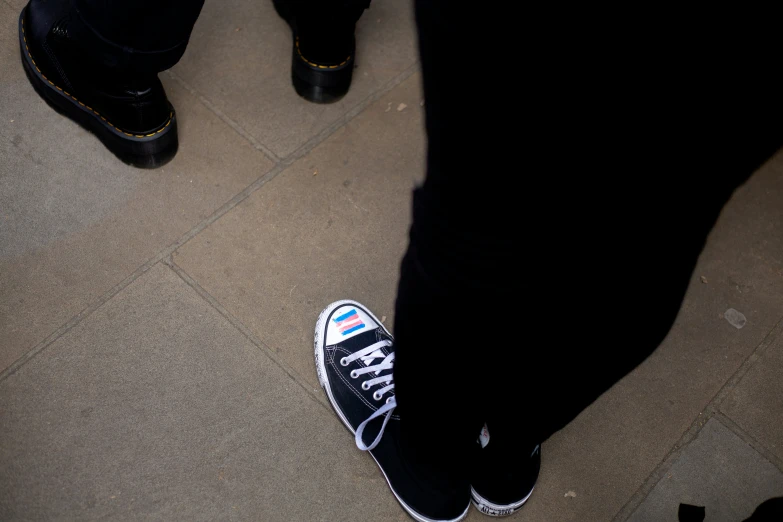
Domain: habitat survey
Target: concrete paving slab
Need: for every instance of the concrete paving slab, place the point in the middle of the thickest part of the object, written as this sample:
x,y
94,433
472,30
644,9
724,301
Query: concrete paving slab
x,y
756,403
156,408
719,471
74,220
332,226
16,5
239,57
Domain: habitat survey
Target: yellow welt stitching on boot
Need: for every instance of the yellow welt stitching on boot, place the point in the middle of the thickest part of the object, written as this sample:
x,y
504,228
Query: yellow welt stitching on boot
x,y
305,60
171,114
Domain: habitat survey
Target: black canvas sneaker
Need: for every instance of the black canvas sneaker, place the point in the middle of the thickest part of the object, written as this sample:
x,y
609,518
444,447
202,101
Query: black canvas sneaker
x,y
354,358
500,485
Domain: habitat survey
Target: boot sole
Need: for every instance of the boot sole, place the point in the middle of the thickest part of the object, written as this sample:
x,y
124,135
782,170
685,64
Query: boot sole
x,y
148,151
320,83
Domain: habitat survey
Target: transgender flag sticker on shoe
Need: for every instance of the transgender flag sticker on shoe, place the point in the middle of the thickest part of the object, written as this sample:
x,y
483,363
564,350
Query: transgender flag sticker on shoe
x,y
349,322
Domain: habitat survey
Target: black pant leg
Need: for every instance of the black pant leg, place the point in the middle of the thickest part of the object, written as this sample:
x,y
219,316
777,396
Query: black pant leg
x,y
136,36
575,167
151,35
458,279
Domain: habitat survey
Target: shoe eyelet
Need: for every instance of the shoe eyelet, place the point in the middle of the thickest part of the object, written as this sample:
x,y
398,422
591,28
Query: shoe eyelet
x,y
365,386
388,400
354,375
376,396
343,362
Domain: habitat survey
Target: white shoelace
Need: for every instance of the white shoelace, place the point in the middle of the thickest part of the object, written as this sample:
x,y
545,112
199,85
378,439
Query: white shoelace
x,y
368,355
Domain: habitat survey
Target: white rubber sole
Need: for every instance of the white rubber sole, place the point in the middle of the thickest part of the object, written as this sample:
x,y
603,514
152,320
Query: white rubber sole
x,y
320,367
496,510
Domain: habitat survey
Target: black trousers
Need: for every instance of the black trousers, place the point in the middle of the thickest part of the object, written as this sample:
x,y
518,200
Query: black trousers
x,y
152,35
577,160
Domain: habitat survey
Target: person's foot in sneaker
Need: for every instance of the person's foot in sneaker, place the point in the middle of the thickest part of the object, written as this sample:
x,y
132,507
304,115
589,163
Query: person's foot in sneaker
x,y
324,47
354,358
504,473
128,113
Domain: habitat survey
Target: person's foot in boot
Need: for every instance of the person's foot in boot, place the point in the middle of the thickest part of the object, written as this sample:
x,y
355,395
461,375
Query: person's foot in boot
x,y
324,47
354,358
129,113
504,473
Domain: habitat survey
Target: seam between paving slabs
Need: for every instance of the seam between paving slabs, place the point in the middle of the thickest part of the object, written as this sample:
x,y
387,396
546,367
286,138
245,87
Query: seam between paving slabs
x,y
107,296
712,410
749,439
217,214
236,323
224,118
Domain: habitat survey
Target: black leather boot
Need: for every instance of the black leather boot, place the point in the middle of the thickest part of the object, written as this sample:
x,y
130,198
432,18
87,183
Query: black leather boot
x,y
128,112
324,47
